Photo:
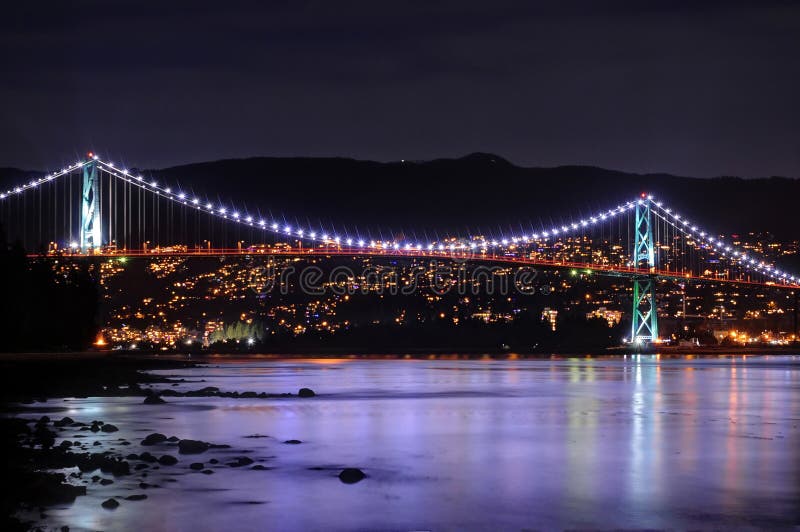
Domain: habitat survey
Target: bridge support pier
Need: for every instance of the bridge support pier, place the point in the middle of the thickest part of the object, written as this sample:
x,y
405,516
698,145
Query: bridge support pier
x,y
644,328
644,323
90,208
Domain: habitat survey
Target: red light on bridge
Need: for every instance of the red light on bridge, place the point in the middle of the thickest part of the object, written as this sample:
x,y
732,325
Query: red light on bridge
x,y
644,195
90,154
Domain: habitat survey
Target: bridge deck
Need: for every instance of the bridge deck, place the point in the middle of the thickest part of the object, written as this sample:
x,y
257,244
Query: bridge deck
x,y
601,269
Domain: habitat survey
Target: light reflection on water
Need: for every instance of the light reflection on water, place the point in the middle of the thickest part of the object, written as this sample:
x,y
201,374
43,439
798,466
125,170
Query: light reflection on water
x,y
460,444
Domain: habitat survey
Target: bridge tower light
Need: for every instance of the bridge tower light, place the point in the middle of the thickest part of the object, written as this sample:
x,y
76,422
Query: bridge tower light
x,y
644,325
90,233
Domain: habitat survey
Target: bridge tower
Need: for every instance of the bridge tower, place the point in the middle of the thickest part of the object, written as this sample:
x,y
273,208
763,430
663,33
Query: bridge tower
x,y
90,207
644,326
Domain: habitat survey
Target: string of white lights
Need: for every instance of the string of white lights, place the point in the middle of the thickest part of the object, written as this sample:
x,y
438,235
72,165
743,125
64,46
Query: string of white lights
x,y
330,238
747,259
36,182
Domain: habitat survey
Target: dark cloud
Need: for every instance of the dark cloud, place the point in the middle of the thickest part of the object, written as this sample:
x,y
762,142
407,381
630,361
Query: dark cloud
x,y
698,88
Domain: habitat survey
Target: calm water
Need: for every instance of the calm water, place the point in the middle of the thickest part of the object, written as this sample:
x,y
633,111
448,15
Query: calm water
x,y
469,445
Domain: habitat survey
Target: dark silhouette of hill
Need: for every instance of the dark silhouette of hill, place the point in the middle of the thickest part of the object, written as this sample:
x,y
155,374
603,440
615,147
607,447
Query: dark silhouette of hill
x,y
480,192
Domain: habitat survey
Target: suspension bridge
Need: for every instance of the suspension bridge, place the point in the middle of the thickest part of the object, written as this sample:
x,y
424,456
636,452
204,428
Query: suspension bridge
x,y
96,208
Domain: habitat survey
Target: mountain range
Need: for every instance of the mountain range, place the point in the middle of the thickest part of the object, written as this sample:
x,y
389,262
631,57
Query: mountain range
x,y
478,193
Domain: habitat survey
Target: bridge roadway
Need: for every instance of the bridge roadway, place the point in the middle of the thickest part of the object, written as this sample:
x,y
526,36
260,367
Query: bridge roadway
x,y
601,269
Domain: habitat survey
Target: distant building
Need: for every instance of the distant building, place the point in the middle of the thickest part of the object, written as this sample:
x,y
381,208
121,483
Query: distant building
x,y
549,315
611,316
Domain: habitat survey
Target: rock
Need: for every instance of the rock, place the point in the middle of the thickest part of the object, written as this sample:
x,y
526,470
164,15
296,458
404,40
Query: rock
x,y
351,475
306,392
213,461
153,400
207,472
259,467
173,439
44,420
110,504
240,461
132,456
106,481
97,443
106,464
108,427
293,442
139,467
44,436
167,460
192,446
147,457
96,478
139,497
50,489
63,422
154,438
197,466
144,485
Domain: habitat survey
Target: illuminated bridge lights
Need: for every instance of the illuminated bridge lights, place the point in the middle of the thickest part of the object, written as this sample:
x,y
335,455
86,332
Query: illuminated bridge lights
x,y
681,223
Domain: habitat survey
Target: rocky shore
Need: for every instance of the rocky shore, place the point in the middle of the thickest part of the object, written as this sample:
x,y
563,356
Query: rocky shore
x,y
52,460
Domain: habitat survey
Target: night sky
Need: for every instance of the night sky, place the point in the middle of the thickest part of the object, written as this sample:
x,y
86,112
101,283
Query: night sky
x,y
692,88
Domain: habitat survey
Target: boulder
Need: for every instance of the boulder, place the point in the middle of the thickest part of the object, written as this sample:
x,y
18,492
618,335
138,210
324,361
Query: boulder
x,y
293,442
63,422
241,461
108,427
197,466
306,392
147,457
153,400
110,504
192,446
351,475
167,460
154,438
